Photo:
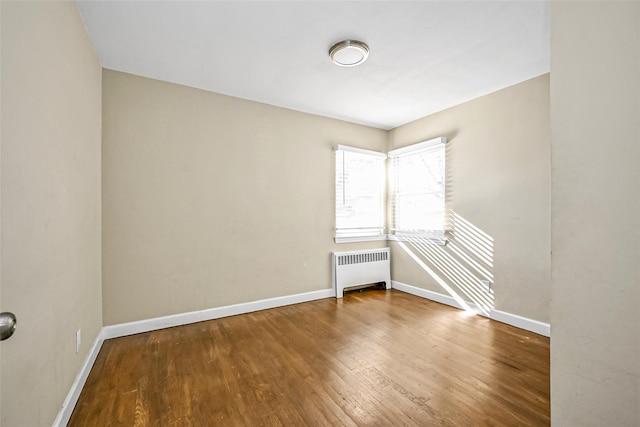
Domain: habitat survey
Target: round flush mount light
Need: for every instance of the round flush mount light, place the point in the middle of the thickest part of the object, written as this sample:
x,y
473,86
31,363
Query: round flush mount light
x,y
349,53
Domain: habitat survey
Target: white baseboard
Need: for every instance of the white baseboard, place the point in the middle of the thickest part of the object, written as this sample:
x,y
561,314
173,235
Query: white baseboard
x,y
123,329
76,387
539,328
424,293
535,326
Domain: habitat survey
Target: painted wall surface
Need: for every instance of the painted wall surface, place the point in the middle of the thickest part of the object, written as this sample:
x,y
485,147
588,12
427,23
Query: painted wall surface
x,y
595,110
210,200
498,202
50,197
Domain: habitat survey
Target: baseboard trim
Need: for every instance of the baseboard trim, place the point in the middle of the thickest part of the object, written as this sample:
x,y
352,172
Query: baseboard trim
x,y
539,328
62,419
130,328
424,293
525,323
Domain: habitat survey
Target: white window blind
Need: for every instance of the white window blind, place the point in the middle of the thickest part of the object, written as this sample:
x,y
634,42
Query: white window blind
x,y
360,190
418,189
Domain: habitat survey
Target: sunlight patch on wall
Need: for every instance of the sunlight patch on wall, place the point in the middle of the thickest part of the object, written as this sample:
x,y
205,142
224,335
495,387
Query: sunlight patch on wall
x,y
463,267
436,277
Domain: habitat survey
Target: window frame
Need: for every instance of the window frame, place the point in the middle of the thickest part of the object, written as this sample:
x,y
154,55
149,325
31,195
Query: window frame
x,y
357,234
437,146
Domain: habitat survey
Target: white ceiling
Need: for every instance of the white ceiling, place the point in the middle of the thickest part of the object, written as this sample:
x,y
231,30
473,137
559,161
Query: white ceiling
x,y
425,56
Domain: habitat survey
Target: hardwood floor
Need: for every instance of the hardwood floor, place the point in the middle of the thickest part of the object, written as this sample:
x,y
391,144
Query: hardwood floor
x,y
374,358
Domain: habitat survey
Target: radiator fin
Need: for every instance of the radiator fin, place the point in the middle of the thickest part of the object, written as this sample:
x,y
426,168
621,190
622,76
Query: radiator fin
x,y
363,258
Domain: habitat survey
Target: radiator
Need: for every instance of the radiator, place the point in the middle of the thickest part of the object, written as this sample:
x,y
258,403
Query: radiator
x,y
360,268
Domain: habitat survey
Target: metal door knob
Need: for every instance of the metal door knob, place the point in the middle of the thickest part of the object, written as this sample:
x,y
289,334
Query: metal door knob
x,y
8,325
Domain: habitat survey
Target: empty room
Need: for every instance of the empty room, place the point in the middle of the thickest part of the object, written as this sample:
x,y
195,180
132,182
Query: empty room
x,y
365,213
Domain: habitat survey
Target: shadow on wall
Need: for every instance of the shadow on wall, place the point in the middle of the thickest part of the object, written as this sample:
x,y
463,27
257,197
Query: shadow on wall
x,y
463,267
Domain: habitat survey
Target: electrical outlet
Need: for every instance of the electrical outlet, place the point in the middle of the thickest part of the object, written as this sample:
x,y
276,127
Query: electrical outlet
x,y
486,286
78,341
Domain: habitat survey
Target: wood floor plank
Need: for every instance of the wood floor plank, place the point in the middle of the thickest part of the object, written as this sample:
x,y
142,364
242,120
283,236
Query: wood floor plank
x,y
373,358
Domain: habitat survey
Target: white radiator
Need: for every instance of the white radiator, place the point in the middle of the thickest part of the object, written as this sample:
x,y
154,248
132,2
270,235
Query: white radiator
x,y
360,268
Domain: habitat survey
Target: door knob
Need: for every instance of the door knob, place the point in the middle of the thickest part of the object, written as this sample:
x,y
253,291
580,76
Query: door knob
x,y
8,325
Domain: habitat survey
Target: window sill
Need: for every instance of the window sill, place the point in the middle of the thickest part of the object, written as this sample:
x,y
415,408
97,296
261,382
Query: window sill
x,y
440,241
355,239
391,238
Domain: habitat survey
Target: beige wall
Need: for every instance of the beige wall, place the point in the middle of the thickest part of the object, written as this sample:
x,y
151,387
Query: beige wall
x,y
203,194
498,161
50,197
210,200
595,91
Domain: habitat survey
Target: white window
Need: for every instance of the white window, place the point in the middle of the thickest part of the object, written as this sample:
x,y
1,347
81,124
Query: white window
x,y
360,192
418,189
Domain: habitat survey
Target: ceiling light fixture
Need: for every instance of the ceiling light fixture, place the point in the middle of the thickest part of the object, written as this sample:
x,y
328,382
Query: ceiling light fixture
x,y
349,53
